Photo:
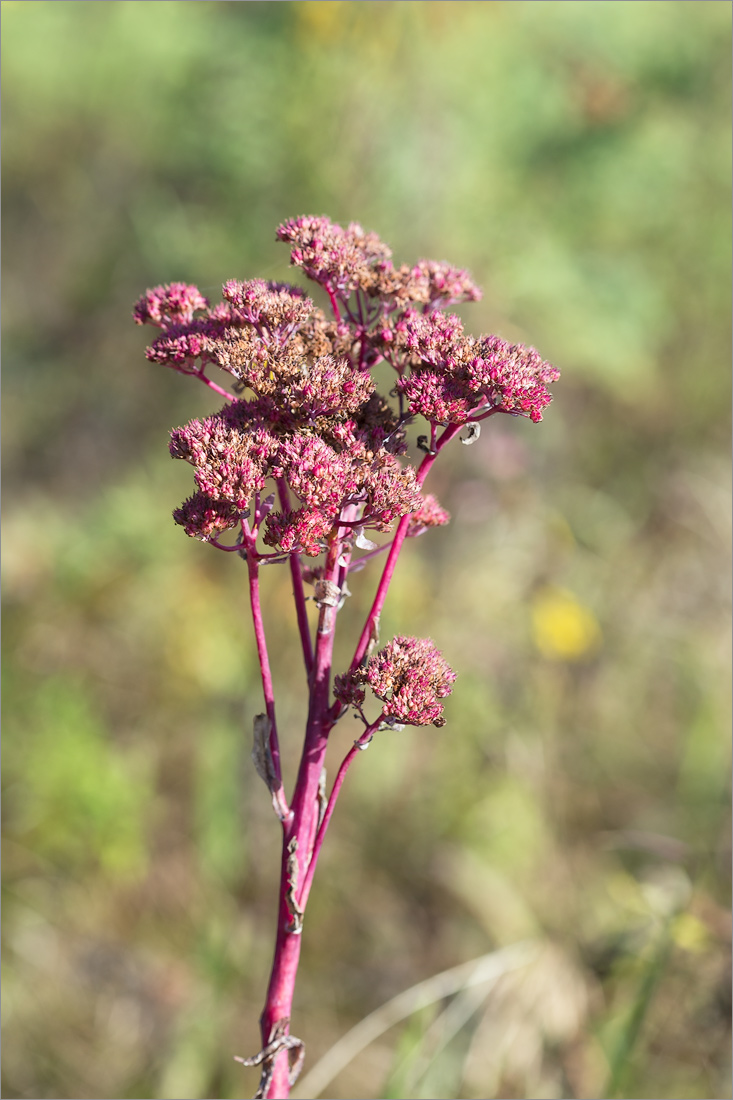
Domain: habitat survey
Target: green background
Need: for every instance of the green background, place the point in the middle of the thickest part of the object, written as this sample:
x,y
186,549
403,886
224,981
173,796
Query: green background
x,y
575,156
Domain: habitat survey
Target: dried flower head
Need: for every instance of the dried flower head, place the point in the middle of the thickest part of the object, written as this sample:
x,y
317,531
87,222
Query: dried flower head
x,y
170,304
348,690
204,518
229,464
429,514
314,419
409,675
337,258
454,378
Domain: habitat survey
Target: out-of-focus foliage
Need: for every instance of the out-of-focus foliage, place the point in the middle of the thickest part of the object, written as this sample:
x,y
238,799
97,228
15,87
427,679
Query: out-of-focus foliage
x,y
576,157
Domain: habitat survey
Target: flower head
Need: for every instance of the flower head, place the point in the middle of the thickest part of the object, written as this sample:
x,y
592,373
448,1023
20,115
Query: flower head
x,y
303,531
512,377
202,517
429,514
172,303
347,689
342,259
409,675
270,307
444,285
453,376
229,464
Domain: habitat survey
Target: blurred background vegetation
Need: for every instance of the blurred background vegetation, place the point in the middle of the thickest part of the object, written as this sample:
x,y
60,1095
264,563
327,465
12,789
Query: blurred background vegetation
x,y
576,158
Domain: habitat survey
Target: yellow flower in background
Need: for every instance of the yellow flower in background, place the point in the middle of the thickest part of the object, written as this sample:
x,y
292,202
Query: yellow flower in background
x,y
562,627
690,933
324,18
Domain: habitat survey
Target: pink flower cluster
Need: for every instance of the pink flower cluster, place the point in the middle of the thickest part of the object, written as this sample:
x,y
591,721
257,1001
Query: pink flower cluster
x,y
236,450
454,378
171,304
314,423
348,260
343,259
429,514
410,676
327,481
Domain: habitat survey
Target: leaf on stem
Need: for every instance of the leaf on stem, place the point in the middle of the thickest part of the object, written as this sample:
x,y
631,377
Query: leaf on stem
x,y
296,913
264,764
322,797
262,754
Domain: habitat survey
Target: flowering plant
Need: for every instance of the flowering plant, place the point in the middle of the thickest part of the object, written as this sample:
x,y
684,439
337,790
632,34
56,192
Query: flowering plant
x,y
316,431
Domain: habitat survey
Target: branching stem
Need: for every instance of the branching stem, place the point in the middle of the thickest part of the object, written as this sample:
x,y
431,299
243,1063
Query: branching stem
x,y
298,592
264,662
399,537
346,763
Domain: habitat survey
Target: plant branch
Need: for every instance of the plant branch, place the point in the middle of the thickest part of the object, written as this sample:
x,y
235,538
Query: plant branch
x,y
359,745
298,838
298,593
264,661
389,566
212,385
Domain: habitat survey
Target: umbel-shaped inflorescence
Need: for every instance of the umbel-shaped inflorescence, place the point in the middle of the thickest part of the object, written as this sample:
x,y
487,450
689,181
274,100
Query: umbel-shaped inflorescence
x,y
409,675
310,423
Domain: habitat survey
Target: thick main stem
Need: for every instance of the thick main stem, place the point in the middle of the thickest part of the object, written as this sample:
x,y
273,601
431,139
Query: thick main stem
x,y
275,1018
299,834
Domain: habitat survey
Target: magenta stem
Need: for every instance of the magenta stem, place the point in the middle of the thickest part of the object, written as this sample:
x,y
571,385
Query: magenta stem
x,y
227,549
298,592
389,566
381,594
298,839
212,385
346,763
356,564
279,1001
305,796
267,688
303,834
333,301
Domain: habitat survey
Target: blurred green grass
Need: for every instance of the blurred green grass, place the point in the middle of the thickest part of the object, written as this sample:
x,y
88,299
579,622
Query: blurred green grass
x,y
576,157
